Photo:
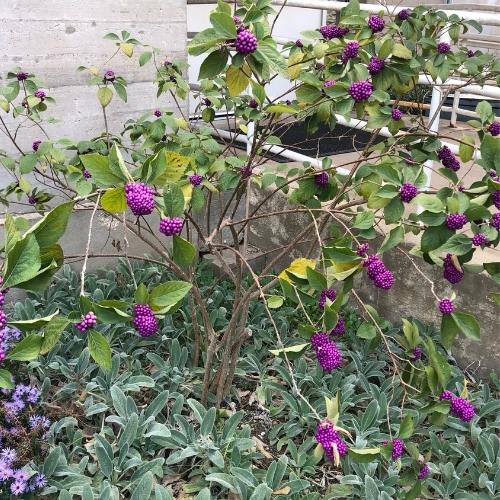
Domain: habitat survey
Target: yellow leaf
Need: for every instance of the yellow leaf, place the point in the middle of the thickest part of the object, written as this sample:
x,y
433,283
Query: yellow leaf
x,y
94,70
237,79
181,123
104,94
127,49
176,166
282,491
187,191
4,105
293,66
298,267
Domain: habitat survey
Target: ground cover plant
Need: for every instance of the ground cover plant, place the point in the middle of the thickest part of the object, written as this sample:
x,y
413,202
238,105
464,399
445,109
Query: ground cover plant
x,y
157,178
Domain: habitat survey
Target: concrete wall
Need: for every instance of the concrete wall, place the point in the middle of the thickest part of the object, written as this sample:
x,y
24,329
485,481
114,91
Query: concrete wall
x,y
51,39
409,297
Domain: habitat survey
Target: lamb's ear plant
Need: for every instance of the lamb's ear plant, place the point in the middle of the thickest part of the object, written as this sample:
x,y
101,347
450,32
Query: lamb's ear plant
x,y
159,177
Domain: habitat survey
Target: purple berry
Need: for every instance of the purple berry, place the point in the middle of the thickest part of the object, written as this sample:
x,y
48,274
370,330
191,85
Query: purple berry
x,y
246,172
237,20
471,53
417,354
3,319
86,174
375,65
327,436
339,328
362,249
319,339
329,83
480,240
407,192
171,225
456,221
109,75
40,93
195,179
206,101
494,128
252,103
450,272
446,396
495,221
329,357
144,320
246,42
157,113
321,179
140,198
88,321
495,198
461,188
396,114
404,14
327,293
36,144
350,51
423,472
448,159
384,280
370,259
21,76
443,47
360,91
376,23
375,268
398,447
330,31
298,43
446,306
462,409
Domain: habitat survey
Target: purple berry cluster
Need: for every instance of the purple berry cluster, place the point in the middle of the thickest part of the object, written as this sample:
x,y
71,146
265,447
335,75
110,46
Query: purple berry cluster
x,y
361,90
417,354
171,225
329,83
376,23
459,407
443,47
350,51
157,113
407,192
446,306
362,249
195,179
109,75
40,93
87,322
144,320
19,426
36,144
339,328
396,114
3,293
8,337
375,65
86,174
404,14
495,221
245,42
3,319
327,293
329,357
21,76
321,179
456,221
246,172
140,198
423,472
448,159
450,272
480,240
328,437
252,103
494,128
378,273
398,448
330,31
495,198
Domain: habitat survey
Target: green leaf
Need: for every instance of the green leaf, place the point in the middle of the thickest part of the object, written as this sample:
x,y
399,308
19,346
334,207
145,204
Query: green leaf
x,y
104,454
429,202
144,58
364,455
440,366
332,408
214,64
484,110
237,79
117,164
141,295
275,301
406,428
27,349
364,220
291,352
114,200
52,332
401,51
225,480
27,163
163,297
366,331
467,324
99,349
203,41
490,151
394,211
33,324
466,148
396,236
223,24
6,380
386,49
316,279
51,228
104,96
184,252
279,109
144,487
449,330
23,262
208,422
98,166
458,244
174,200
338,490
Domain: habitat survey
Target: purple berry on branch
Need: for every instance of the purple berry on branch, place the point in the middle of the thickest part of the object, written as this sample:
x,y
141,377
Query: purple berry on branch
x,y
88,321
471,53
417,354
384,280
36,144
443,47
480,240
495,198
170,226
206,101
375,268
462,409
494,128
86,174
398,448
245,42
329,83
327,437
461,188
423,472
450,272
446,396
404,14
330,31
157,113
321,179
350,51
362,249
376,23
3,319
407,192
361,90
298,43
40,93
456,221
448,159
396,114
144,320
109,75
246,172
252,103
195,179
329,357
375,65
21,76
140,198
339,328
237,20
319,339
446,306
327,293
495,221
